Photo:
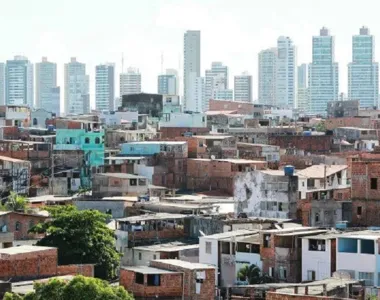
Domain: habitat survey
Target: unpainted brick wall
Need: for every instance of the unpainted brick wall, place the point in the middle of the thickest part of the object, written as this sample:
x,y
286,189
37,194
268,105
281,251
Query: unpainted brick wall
x,y
85,270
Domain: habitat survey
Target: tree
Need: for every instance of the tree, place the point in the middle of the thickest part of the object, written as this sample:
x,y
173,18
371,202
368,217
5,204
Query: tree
x,y
78,288
253,275
82,237
15,202
321,127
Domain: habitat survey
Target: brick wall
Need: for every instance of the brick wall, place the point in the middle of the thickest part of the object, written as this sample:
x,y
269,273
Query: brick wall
x,y
170,285
241,107
333,123
85,270
278,296
172,132
162,234
312,144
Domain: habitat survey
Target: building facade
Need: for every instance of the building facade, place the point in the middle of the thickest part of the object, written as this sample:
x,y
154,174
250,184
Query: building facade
x,y
323,72
46,82
267,76
191,63
303,103
77,99
167,84
196,95
216,79
243,87
19,83
130,82
363,71
2,83
105,87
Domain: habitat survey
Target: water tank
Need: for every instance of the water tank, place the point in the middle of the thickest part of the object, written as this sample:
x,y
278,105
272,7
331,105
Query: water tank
x,y
307,133
289,170
50,128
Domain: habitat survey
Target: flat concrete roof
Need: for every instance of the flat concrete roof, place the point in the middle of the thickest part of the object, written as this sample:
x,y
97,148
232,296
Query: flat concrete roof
x,y
152,217
48,198
185,264
23,249
231,160
149,270
122,175
15,160
317,231
230,234
168,247
157,142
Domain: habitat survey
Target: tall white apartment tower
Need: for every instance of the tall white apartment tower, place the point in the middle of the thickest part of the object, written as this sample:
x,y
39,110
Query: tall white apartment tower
x,y
323,73
267,76
191,64
286,73
363,71
77,99
130,82
2,84
46,81
105,86
19,82
303,88
243,87
217,81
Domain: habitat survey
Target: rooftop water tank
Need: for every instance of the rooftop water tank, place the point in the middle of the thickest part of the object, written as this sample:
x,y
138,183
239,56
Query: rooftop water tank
x,y
289,170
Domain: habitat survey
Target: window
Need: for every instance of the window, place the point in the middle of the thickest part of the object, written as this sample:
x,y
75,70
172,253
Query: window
x,y
87,140
266,240
367,277
208,248
139,278
317,245
140,256
142,181
154,280
18,226
359,210
316,217
367,247
132,182
154,256
271,271
282,273
311,275
35,121
373,183
97,140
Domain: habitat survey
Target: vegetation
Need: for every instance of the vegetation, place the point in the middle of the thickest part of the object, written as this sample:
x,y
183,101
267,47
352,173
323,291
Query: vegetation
x,y
81,237
253,275
321,127
14,202
78,288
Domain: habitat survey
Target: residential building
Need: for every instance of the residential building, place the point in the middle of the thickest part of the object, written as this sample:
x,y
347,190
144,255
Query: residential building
x,y
270,153
105,87
130,82
165,278
286,73
46,84
227,105
216,80
349,122
145,104
149,148
340,109
309,143
223,94
267,76
2,84
178,119
303,103
196,95
167,84
15,175
55,106
323,73
354,134
19,82
243,87
191,64
363,71
77,99
15,115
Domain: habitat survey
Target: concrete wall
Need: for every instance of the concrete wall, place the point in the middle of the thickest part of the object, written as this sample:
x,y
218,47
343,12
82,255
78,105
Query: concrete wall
x,y
208,258
318,261
244,259
117,208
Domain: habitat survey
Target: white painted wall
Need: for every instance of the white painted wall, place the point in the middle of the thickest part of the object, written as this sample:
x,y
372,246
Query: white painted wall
x,y
243,259
143,170
318,261
205,258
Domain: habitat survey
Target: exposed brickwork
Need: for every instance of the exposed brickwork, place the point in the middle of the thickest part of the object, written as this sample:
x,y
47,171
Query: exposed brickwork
x,y
85,270
162,234
362,122
240,107
172,132
312,144
278,296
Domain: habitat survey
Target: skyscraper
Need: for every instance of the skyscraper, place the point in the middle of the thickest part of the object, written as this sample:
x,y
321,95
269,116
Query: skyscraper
x,y
302,88
167,84
46,81
130,82
267,76
191,63
2,84
323,73
77,98
363,71
105,87
196,94
286,70
216,81
19,82
243,87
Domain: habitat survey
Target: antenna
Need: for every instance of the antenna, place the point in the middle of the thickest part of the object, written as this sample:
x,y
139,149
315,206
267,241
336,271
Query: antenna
x,y
162,62
122,62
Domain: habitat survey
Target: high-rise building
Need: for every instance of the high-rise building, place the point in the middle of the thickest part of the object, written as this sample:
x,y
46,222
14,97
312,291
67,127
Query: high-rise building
x,y
191,63
77,97
303,103
216,79
227,94
197,101
167,84
267,76
2,84
55,105
46,81
105,87
363,71
19,82
286,73
323,73
243,87
130,82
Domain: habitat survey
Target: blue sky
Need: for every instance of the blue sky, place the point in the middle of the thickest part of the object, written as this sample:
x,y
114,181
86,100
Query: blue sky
x,y
232,31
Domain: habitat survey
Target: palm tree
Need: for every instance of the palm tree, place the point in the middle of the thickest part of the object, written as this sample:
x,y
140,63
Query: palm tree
x,y
253,275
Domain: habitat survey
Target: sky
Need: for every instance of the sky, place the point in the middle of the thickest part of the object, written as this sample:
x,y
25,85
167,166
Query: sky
x,y
232,31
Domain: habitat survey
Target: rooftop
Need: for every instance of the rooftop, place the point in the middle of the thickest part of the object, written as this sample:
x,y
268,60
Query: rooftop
x,y
213,137
326,236
122,175
148,270
152,217
257,145
231,234
158,142
321,171
168,247
15,160
125,158
48,198
316,231
185,264
232,160
357,128
220,112
23,249
273,172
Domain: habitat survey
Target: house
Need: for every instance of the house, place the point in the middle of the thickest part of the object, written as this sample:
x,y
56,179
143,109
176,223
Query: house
x,y
353,134
14,115
15,175
118,184
214,146
170,279
269,153
149,148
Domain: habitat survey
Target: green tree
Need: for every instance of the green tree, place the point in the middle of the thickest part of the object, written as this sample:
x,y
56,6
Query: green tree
x,y
321,127
81,288
253,275
82,237
15,202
